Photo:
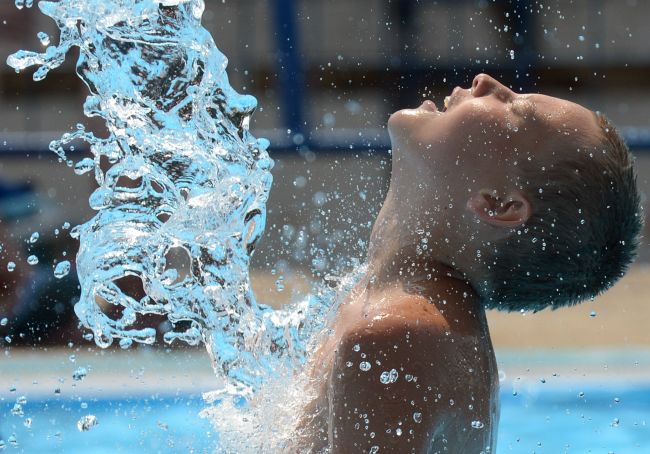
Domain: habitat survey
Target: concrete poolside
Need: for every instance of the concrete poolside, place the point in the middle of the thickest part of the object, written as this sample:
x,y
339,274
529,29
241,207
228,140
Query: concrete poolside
x,y
559,347
619,318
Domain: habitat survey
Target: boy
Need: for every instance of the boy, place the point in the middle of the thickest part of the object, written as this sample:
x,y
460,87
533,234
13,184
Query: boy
x,y
504,200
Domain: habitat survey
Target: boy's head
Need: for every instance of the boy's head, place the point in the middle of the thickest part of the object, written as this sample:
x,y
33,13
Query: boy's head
x,y
538,194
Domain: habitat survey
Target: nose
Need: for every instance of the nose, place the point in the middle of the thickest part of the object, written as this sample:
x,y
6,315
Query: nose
x,y
484,85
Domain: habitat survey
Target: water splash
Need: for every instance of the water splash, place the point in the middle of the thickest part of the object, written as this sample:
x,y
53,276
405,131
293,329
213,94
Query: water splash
x,y
183,184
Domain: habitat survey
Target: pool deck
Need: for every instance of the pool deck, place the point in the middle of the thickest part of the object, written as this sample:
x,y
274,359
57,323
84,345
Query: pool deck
x,y
607,340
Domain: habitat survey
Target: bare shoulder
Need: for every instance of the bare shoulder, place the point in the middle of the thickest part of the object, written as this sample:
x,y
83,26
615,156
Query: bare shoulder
x,y
396,368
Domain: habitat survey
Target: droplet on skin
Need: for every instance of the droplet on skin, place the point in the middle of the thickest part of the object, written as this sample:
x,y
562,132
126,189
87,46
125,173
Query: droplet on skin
x,y
477,425
32,260
365,366
388,377
4,321
11,266
34,238
417,417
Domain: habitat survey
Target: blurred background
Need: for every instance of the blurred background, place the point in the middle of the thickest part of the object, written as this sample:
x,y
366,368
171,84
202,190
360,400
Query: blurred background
x,y
327,74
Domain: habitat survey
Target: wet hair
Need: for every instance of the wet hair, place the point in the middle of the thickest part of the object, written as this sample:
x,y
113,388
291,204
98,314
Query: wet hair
x,y
582,235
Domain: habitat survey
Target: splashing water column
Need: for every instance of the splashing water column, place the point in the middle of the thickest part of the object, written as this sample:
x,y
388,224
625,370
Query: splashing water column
x,y
184,201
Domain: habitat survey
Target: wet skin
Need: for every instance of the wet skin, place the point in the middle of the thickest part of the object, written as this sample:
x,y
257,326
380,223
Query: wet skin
x,y
416,315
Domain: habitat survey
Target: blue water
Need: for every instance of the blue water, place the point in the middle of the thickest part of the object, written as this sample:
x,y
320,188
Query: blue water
x,y
545,420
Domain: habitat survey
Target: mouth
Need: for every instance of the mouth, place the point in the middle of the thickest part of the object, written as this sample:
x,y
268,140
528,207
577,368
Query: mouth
x,y
454,98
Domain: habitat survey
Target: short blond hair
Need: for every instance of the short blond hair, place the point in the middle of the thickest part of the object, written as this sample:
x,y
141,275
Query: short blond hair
x,y
581,237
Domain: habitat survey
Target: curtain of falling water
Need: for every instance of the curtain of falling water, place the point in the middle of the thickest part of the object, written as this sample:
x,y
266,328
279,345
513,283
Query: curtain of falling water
x,y
181,203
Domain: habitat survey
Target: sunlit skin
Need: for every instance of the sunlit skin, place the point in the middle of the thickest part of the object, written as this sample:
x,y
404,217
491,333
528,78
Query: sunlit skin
x,y
454,189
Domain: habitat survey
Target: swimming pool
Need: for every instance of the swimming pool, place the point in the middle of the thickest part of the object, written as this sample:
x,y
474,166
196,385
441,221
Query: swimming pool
x,y
600,418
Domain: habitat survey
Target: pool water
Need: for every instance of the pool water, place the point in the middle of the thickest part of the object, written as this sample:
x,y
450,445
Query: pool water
x,y
598,419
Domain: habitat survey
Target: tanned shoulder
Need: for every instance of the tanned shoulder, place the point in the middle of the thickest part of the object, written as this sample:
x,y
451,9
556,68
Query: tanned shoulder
x,y
384,379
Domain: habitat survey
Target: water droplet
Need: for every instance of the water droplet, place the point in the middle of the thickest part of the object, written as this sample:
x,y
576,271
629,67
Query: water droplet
x,y
365,366
417,417
34,238
86,423
17,410
125,343
357,348
11,266
4,321
32,260
477,425
44,38
388,377
374,450
593,314
72,358
84,166
616,422
62,269
398,432
79,374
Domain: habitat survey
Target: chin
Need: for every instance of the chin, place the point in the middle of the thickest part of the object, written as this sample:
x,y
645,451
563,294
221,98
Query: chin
x,y
401,121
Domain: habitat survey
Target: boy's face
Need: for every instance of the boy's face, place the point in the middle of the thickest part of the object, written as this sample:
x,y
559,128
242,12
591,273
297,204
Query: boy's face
x,y
486,130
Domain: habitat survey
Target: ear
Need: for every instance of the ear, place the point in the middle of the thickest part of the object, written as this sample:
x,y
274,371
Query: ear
x,y
509,212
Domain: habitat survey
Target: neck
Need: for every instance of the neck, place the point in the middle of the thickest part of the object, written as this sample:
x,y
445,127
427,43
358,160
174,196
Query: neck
x,y
404,250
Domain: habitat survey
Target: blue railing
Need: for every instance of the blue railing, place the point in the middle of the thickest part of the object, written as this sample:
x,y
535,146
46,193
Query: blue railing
x,y
295,133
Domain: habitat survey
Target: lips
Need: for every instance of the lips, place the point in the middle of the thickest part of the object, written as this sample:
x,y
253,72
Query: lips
x,y
457,95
